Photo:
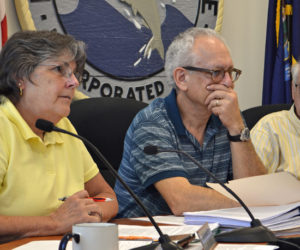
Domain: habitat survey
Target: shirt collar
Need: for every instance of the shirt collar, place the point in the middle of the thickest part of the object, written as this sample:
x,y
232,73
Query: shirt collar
x,y
173,112
293,115
15,117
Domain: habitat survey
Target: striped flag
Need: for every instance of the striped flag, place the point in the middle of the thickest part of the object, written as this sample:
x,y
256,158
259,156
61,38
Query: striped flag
x,y
3,27
282,49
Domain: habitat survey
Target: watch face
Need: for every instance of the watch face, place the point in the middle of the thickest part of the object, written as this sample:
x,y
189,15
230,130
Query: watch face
x,y
245,135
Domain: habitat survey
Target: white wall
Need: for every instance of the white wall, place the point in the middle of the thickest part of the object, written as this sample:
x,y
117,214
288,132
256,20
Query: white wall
x,y
12,19
244,28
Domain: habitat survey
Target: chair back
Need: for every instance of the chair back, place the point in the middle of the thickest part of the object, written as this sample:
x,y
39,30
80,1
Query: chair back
x,y
104,122
253,115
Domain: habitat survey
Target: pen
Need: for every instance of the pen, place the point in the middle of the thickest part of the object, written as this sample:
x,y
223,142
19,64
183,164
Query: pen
x,y
100,199
135,238
186,240
96,199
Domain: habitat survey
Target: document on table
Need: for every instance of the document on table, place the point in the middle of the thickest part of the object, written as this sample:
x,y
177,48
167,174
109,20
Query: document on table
x,y
126,245
124,230
263,190
244,247
173,220
53,244
166,219
280,217
43,245
130,230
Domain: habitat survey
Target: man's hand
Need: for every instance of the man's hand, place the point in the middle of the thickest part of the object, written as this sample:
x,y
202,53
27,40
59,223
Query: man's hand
x,y
223,102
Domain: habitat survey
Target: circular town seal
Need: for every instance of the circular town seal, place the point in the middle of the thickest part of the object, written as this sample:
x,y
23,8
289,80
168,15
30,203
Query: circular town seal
x,y
126,39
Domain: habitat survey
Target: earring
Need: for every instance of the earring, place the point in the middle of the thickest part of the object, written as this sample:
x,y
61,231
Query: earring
x,y
21,90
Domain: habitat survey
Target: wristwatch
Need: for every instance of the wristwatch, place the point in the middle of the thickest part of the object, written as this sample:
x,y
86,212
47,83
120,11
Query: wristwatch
x,y
243,136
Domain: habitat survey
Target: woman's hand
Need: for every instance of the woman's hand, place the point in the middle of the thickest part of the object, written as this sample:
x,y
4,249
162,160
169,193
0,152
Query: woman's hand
x,y
76,209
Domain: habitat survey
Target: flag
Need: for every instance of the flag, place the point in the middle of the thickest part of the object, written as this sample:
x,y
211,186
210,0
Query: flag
x,y
282,50
3,27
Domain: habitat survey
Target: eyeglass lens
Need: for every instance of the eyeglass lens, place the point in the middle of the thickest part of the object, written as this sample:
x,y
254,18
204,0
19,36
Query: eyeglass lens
x,y
67,71
218,75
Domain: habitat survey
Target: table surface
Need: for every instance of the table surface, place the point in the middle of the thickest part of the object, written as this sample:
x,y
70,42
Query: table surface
x,y
20,242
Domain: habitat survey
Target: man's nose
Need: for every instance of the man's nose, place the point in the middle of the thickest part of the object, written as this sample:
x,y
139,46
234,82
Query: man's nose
x,y
227,80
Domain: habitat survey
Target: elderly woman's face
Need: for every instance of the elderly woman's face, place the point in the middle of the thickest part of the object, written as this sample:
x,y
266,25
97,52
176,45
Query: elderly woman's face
x,y
49,92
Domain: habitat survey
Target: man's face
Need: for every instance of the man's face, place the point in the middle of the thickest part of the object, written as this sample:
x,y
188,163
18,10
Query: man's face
x,y
296,95
212,54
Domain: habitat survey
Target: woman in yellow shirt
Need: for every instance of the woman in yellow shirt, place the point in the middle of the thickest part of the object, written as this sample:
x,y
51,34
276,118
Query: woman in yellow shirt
x,y
39,72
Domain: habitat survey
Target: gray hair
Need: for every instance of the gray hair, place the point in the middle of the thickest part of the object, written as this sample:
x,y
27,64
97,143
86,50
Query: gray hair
x,y
295,72
25,50
180,53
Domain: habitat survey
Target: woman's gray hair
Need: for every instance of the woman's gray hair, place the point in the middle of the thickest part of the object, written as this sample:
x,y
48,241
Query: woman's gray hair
x,y
180,53
25,50
295,72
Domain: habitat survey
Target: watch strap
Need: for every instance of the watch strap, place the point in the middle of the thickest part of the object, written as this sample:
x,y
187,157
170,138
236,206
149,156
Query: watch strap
x,y
243,136
234,137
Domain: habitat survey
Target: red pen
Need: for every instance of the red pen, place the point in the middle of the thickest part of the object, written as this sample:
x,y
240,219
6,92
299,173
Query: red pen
x,y
96,199
100,199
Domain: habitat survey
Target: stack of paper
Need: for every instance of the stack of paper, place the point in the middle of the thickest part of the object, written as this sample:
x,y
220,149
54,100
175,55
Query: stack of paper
x,y
282,220
274,199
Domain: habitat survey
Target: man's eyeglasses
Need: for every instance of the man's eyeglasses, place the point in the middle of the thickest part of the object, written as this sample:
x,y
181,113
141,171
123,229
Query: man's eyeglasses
x,y
217,75
65,70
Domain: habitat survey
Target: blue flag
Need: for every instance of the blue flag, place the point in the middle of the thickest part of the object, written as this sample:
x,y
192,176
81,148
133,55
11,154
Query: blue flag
x,y
282,50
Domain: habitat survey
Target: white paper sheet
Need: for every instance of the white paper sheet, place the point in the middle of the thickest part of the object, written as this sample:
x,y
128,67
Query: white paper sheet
x,y
43,245
168,219
244,247
129,230
264,190
126,245
53,245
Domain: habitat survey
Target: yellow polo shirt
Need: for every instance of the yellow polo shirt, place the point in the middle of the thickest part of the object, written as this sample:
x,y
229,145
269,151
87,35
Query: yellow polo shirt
x,y
276,138
35,173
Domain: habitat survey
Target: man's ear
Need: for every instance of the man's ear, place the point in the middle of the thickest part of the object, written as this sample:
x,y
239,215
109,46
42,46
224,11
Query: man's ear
x,y
180,76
